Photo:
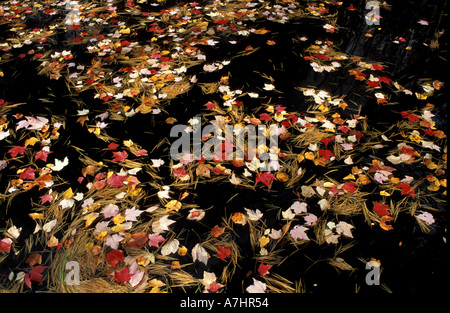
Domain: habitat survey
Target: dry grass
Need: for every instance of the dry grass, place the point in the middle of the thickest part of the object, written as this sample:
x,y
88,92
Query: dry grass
x,y
350,204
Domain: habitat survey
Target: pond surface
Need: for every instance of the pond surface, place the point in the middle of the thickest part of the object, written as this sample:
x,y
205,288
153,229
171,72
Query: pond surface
x,y
87,105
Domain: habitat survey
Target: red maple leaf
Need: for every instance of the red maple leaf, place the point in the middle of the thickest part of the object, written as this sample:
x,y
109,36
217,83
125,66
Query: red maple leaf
x,y
429,132
326,154
321,56
411,117
265,178
214,286
264,117
114,257
264,269
35,274
120,156
373,83
293,117
381,209
325,140
28,174
42,155
406,189
210,105
349,187
223,252
113,146
180,172
384,79
14,151
344,129
378,67
123,276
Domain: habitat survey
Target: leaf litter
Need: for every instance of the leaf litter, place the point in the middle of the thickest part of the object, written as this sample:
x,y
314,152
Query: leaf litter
x,y
128,213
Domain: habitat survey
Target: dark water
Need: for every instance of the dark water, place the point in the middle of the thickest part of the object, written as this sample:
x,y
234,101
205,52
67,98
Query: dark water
x,y
412,261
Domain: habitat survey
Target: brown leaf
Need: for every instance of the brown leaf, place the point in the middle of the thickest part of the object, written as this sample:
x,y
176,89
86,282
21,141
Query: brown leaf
x,y
204,170
34,259
217,231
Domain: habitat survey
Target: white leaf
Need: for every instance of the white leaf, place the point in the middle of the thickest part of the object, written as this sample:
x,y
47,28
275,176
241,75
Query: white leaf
x,y
234,180
269,87
344,228
113,241
162,224
170,247
323,204
14,232
288,214
59,165
199,253
49,226
254,215
132,214
394,159
257,287
348,160
299,207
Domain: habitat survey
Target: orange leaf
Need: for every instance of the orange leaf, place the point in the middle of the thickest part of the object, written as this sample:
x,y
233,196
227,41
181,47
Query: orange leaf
x,y
217,231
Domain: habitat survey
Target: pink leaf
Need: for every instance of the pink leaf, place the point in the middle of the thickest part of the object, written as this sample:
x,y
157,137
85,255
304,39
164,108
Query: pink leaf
x,y
298,232
28,174
14,151
116,180
46,198
120,156
5,244
155,239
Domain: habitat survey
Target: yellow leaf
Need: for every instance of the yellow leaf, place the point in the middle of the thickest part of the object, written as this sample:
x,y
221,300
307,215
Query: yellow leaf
x,y
182,251
156,283
433,187
309,155
94,130
36,215
31,141
431,165
323,108
68,194
128,143
282,177
125,31
90,218
101,235
118,219
175,265
384,193
263,241
118,228
395,180
363,180
350,176
173,205
261,31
